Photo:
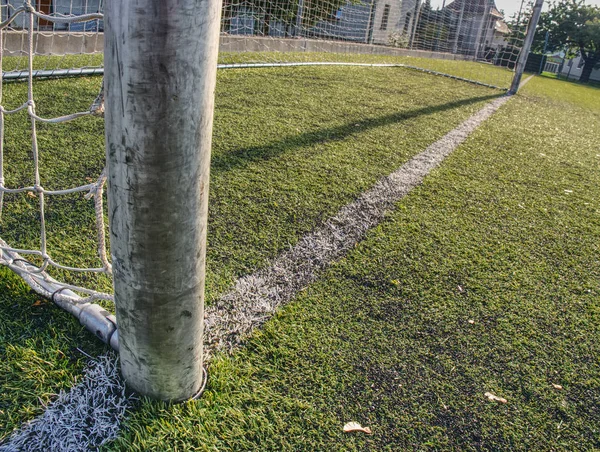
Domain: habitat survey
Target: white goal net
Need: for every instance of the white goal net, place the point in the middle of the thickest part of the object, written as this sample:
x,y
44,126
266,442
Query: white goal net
x,y
470,40
33,264
66,37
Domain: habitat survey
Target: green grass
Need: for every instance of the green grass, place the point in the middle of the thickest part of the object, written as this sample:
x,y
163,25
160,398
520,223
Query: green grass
x,y
291,146
39,353
40,62
505,234
481,72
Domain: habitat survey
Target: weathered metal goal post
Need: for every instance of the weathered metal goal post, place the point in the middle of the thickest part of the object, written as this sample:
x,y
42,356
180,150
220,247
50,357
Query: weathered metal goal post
x,y
535,17
160,72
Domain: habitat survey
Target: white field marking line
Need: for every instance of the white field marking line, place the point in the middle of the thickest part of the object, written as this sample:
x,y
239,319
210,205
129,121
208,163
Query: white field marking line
x,y
90,414
82,419
255,297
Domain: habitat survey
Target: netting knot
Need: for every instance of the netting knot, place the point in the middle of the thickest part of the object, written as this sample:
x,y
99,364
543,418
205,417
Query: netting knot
x,y
97,107
28,7
56,292
90,194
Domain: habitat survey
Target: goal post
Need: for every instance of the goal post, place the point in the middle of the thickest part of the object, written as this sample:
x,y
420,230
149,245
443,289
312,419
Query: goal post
x,y
524,54
160,75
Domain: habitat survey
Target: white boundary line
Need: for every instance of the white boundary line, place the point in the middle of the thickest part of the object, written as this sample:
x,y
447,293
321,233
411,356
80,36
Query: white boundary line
x,y
82,419
256,297
90,414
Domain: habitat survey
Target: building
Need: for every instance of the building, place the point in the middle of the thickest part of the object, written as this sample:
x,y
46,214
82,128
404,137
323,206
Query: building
x,y
476,28
573,68
63,7
369,21
468,27
387,20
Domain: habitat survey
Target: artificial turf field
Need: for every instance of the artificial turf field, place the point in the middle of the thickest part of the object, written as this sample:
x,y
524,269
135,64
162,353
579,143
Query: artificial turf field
x,y
504,234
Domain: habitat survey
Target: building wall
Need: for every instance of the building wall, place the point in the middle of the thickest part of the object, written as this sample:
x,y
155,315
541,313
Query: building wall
x,y
467,35
76,6
8,7
575,71
381,35
406,20
351,23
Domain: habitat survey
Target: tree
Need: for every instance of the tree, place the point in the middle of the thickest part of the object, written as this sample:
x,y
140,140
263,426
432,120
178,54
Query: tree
x,y
573,25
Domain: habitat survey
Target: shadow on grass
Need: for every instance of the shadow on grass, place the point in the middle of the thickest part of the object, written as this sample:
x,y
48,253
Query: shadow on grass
x,y
243,157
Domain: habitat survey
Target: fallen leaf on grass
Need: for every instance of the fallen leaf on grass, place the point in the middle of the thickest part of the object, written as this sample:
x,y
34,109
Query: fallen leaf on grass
x,y
555,386
356,427
39,303
495,398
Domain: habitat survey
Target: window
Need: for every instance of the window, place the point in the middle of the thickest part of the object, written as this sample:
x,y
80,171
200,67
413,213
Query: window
x,y
406,22
385,17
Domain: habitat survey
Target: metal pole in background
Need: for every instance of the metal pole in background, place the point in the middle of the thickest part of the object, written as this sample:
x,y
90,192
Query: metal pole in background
x,y
416,19
299,18
537,10
570,67
160,73
480,31
458,29
544,51
439,28
370,24
519,14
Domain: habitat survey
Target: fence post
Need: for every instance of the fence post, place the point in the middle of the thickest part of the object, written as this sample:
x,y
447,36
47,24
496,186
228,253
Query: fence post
x,y
537,10
299,14
160,73
459,28
416,18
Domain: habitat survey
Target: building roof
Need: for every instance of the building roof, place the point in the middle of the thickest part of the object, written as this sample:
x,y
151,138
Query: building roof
x,y
475,7
501,27
494,12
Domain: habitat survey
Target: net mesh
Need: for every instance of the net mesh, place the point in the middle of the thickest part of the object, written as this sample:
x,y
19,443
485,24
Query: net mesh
x,y
67,37
470,39
465,39
32,264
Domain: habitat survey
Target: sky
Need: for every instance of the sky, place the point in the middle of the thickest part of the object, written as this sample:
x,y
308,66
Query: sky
x,y
510,7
